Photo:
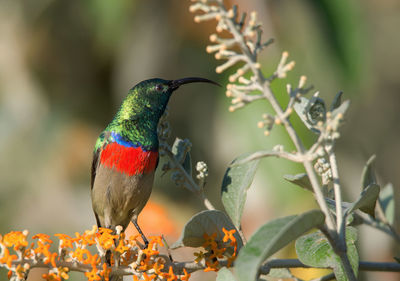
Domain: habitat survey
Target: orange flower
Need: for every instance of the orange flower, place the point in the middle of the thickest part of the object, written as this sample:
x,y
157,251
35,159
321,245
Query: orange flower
x,y
51,258
147,277
150,252
93,260
42,249
229,236
7,258
16,239
121,247
44,238
158,267
20,271
132,241
79,252
63,272
217,253
144,264
199,255
170,275
186,276
65,240
211,266
106,239
51,277
86,238
92,275
209,240
156,240
105,272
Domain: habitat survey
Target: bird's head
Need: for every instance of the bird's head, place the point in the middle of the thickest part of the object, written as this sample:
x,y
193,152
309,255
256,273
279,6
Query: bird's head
x,y
150,97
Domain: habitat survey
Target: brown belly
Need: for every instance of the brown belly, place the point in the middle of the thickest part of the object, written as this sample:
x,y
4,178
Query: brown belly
x,y
118,198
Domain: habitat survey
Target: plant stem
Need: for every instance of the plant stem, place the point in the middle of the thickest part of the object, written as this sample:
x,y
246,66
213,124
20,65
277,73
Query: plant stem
x,y
337,189
348,270
194,187
264,85
327,277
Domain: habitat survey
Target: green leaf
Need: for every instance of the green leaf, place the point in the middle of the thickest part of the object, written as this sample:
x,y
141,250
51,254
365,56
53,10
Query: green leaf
x,y
224,274
301,180
332,205
314,250
236,182
181,150
368,176
386,200
209,221
280,273
270,238
367,200
311,111
337,100
341,109
187,164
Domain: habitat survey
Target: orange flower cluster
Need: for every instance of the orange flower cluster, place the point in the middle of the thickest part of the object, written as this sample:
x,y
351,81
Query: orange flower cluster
x,y
217,250
75,253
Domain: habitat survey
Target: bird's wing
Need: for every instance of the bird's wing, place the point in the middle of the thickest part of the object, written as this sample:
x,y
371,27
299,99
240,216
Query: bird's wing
x,y
104,137
95,162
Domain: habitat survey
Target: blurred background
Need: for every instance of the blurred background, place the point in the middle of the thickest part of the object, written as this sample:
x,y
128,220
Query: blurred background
x,y
65,67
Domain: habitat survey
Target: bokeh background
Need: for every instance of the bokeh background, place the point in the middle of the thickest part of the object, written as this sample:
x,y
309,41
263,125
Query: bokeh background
x,y
65,66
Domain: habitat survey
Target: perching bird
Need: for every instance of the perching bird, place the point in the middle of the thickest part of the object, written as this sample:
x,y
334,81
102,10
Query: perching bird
x,y
126,154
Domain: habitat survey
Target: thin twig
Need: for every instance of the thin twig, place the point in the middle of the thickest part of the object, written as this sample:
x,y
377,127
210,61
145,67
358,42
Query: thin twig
x,y
368,220
199,190
330,276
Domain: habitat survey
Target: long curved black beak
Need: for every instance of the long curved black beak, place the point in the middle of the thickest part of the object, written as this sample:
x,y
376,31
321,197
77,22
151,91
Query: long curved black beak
x,y
174,84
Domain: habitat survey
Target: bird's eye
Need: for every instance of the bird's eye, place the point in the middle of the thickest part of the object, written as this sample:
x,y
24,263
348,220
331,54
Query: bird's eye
x,y
159,87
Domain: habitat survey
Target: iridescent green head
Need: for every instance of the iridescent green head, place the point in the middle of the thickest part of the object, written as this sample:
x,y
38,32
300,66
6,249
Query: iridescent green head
x,y
150,97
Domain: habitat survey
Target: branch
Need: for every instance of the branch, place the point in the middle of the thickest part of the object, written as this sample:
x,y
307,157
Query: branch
x,y
199,190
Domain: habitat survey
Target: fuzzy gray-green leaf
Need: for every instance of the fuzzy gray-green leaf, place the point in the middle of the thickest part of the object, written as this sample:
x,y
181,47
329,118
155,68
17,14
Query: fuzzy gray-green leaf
x,y
225,275
209,221
280,273
341,109
301,180
386,200
368,175
310,112
270,238
314,250
337,100
236,182
187,163
367,200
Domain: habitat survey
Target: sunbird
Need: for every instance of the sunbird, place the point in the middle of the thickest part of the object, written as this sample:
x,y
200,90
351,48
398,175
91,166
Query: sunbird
x,y
126,154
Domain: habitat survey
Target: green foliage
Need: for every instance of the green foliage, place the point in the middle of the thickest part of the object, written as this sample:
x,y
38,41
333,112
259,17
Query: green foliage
x,y
368,175
367,200
225,275
236,182
209,221
301,180
315,250
181,151
272,237
386,200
